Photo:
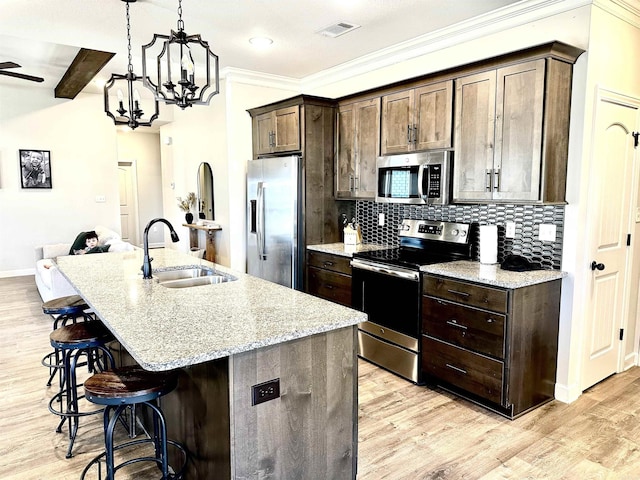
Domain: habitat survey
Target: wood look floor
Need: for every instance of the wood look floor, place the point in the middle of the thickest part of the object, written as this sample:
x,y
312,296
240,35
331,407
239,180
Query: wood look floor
x,y
405,431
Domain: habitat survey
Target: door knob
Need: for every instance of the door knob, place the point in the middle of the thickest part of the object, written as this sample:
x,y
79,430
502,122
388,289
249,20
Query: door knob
x,y
597,266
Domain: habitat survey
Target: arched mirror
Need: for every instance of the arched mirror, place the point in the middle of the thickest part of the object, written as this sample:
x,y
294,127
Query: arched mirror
x,y
206,206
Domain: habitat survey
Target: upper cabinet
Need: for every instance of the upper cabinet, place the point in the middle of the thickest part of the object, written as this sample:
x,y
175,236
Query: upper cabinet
x,y
417,119
357,148
277,131
512,132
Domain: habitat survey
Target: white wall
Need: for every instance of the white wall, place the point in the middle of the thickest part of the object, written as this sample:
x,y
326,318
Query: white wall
x,y
82,142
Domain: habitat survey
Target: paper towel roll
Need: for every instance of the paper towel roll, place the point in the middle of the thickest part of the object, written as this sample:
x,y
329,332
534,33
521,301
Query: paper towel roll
x,y
488,244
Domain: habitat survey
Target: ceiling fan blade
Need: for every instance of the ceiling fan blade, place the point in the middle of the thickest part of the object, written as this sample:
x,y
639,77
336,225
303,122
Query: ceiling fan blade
x,y
22,76
9,65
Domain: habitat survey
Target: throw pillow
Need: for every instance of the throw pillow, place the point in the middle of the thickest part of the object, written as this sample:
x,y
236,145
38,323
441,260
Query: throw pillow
x,y
99,249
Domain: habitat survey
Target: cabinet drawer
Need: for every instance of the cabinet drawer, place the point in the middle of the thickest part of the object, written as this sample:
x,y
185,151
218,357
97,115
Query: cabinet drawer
x,y
466,293
330,286
476,330
469,371
327,261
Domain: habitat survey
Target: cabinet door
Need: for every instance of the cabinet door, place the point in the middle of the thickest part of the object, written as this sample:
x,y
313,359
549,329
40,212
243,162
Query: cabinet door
x,y
474,136
367,146
263,133
286,125
397,121
346,155
519,108
433,114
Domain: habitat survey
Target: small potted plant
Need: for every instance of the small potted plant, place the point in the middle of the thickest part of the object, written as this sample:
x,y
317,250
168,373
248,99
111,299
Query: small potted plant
x,y
186,205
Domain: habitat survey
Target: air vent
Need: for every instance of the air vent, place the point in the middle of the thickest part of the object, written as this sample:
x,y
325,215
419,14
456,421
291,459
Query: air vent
x,y
338,29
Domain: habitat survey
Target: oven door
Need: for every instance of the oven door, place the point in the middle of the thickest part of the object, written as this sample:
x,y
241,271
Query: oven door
x,y
391,298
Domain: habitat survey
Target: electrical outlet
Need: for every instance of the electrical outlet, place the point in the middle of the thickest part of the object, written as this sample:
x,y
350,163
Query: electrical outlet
x,y
637,214
100,199
263,392
510,229
547,232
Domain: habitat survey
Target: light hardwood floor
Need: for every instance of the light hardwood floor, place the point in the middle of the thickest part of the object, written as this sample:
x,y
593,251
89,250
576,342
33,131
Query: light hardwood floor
x,y
405,431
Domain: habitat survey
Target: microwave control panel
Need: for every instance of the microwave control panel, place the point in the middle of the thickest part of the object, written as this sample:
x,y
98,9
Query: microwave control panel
x,y
433,178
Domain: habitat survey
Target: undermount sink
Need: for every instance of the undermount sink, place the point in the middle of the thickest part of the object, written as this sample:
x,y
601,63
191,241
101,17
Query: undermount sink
x,y
190,276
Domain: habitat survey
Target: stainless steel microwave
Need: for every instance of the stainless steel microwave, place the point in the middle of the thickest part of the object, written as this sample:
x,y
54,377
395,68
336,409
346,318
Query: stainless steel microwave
x,y
416,178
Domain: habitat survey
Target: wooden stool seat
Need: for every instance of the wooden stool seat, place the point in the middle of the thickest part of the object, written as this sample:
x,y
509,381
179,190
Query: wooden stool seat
x,y
65,305
128,385
80,335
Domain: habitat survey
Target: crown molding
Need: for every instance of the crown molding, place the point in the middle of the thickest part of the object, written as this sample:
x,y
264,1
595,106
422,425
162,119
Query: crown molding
x,y
511,16
626,10
239,75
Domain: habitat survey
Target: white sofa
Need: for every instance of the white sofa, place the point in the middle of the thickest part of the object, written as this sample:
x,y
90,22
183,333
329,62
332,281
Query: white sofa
x,y
50,282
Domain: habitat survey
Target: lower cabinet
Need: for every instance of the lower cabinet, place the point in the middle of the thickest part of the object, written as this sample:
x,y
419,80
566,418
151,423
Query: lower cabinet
x,y
495,346
329,277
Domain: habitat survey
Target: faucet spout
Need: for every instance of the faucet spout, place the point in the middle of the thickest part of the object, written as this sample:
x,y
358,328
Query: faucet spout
x,y
146,263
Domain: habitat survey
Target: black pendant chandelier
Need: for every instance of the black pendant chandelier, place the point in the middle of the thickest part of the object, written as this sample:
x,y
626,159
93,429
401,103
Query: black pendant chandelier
x,y
127,83
188,81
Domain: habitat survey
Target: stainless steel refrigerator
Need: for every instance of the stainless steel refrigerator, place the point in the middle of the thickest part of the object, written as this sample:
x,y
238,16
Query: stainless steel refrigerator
x,y
275,242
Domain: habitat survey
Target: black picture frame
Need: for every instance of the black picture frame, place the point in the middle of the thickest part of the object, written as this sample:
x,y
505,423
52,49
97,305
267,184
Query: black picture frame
x,y
35,168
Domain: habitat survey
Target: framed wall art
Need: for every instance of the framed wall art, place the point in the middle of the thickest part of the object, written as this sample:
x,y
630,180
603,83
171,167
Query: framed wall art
x,y
35,168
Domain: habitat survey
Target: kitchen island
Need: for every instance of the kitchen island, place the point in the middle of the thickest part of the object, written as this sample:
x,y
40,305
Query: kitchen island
x,y
224,339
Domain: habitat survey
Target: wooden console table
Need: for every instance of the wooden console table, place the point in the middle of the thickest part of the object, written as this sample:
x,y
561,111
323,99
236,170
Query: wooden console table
x,y
210,247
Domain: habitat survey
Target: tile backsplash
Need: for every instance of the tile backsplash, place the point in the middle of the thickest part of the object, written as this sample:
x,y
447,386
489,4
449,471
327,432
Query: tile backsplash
x,y
526,217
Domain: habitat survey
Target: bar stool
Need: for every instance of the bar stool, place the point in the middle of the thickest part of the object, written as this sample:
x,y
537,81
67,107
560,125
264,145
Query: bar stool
x,y
127,387
62,310
73,341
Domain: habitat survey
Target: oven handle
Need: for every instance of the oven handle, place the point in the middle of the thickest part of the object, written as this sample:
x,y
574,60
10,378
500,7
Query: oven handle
x,y
386,270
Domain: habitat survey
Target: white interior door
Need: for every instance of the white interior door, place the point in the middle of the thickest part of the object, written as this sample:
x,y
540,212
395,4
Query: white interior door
x,y
610,189
128,202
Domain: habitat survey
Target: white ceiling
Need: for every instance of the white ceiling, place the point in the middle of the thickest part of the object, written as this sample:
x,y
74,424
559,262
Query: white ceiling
x,y
44,35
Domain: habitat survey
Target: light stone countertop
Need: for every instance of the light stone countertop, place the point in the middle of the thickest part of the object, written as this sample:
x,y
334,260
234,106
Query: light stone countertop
x,y
492,274
345,250
166,328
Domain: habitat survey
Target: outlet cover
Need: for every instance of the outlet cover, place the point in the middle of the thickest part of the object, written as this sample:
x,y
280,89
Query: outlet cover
x,y
266,391
510,229
101,199
547,232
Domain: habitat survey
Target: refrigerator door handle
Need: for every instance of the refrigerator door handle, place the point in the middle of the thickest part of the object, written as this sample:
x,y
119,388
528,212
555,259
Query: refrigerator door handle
x,y
260,221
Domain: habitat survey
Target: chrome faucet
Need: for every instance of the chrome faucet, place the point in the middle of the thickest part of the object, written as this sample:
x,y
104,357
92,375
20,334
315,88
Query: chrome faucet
x,y
146,264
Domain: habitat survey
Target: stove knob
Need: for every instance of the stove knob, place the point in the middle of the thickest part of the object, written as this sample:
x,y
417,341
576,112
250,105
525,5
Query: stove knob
x,y
454,232
463,233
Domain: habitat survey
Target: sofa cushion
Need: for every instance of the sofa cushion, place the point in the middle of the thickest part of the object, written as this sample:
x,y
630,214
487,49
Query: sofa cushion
x,y
106,235
54,250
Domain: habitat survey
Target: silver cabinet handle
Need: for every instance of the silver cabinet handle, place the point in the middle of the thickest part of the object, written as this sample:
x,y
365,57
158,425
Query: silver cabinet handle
x,y
462,294
408,133
457,369
496,179
415,133
487,183
453,323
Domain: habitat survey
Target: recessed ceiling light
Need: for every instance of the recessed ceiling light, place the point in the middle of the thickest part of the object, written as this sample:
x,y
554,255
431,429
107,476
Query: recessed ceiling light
x,y
260,42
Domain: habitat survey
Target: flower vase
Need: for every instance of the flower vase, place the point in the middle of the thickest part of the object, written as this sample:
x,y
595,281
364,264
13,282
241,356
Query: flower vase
x,y
189,217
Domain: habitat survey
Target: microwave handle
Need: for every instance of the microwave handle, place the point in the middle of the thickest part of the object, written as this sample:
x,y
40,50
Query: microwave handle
x,y
421,170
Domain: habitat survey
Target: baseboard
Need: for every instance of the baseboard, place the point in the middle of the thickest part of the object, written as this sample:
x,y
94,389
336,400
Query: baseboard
x,y
630,360
18,273
567,393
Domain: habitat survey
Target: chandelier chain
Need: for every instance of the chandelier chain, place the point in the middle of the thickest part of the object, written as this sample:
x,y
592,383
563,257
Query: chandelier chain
x,y
180,22
130,67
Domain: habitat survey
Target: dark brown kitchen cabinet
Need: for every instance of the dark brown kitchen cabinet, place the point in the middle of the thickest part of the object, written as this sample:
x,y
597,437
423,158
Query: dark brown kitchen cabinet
x,y
277,131
417,119
494,346
512,131
329,277
357,148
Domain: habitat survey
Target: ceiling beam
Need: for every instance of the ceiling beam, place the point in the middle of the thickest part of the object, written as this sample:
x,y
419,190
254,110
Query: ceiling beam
x,y
81,71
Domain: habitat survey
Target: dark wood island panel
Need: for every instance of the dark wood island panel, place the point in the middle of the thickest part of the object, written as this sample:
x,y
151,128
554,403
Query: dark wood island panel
x,y
308,432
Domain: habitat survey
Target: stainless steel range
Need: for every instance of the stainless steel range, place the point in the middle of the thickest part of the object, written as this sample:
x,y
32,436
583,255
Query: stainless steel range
x,y
387,286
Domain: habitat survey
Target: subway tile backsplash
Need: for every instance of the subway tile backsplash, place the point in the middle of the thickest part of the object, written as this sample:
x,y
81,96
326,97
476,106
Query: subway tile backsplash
x,y
526,217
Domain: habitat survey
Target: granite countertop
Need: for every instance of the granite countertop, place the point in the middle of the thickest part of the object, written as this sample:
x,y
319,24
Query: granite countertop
x,y
166,328
492,274
345,250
